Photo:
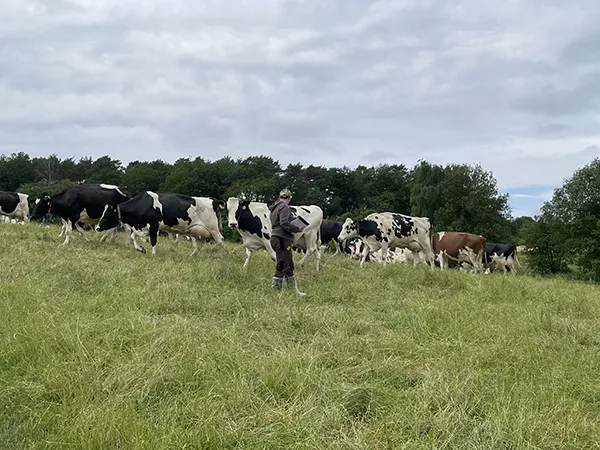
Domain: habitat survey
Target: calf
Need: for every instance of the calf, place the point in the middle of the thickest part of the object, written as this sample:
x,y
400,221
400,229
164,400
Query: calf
x,y
14,205
459,247
501,257
148,213
253,222
79,203
384,230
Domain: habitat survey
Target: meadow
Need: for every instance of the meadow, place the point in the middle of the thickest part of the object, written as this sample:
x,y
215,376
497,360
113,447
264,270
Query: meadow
x,y
102,347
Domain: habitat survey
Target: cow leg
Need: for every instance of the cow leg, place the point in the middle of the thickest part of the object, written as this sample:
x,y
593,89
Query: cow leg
x,y
472,259
63,229
441,260
338,247
365,253
510,262
81,231
198,244
68,229
113,235
248,256
137,246
480,260
153,237
127,231
384,253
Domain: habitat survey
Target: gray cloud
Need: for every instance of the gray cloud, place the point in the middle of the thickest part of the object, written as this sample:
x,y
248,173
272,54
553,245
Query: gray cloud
x,y
513,86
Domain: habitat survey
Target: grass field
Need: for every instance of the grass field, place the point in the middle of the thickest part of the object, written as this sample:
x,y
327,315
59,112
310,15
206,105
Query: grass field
x,y
102,347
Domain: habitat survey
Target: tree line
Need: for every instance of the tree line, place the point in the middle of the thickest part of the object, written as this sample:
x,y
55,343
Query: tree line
x,y
455,197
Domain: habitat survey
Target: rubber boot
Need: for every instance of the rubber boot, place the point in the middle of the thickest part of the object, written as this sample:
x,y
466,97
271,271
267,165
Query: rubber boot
x,y
277,283
293,284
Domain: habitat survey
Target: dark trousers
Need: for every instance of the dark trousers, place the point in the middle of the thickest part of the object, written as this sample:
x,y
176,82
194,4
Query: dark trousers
x,y
284,266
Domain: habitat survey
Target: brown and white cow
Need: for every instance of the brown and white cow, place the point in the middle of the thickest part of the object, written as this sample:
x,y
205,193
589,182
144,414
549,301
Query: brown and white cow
x,y
459,247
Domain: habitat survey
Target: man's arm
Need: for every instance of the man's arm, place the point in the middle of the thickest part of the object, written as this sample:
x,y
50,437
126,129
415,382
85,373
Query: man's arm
x,y
284,220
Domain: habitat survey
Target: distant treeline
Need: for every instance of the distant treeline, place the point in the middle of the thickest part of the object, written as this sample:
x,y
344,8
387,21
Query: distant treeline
x,y
455,197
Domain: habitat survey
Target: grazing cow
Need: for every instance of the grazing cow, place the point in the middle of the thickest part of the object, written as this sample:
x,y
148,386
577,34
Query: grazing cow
x,y
148,213
79,203
14,204
386,229
459,247
501,257
253,222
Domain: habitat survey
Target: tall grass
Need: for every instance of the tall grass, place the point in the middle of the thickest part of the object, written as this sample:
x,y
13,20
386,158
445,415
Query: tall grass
x,y
102,347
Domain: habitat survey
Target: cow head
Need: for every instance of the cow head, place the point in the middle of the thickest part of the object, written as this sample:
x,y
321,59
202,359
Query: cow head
x,y
109,219
43,207
218,205
233,204
349,230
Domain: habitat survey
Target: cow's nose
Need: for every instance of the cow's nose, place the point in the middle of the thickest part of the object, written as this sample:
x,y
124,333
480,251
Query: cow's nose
x,y
232,225
97,228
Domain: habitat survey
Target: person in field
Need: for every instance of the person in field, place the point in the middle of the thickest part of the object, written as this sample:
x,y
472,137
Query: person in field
x,y
282,239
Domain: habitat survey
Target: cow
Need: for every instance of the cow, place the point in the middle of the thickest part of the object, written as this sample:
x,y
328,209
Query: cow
x,y
387,229
330,230
253,222
14,205
501,256
148,213
459,247
79,203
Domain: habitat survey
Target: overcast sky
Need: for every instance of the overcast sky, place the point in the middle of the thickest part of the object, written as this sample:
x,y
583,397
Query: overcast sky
x,y
513,84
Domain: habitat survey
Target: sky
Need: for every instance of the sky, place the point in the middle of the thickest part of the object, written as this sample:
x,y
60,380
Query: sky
x,y
512,85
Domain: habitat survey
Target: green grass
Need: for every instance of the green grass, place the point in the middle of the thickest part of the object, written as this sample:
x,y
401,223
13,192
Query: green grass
x,y
102,347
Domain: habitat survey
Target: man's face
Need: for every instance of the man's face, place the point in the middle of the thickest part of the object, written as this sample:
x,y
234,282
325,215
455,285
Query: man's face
x,y
286,200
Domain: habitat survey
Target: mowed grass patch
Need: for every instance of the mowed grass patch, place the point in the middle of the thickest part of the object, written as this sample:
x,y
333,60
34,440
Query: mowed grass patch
x,y
104,347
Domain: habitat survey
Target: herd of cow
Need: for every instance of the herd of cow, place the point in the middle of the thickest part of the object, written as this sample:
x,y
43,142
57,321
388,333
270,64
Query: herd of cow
x,y
385,237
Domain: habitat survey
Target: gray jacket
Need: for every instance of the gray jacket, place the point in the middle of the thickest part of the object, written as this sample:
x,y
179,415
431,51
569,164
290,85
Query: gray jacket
x,y
281,216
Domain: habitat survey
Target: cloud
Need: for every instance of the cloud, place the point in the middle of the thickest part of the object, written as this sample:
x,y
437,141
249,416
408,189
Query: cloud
x,y
513,86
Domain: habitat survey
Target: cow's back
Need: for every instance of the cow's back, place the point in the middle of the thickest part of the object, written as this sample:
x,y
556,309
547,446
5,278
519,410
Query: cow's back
x,y
8,202
397,230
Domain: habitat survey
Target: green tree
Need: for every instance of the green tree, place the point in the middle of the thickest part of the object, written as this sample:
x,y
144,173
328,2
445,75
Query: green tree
x,y
105,170
179,178
15,170
568,229
461,198
426,190
145,176
39,188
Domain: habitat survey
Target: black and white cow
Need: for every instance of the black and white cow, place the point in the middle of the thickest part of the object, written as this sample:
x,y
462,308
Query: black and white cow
x,y
386,229
330,230
501,257
253,222
148,213
79,203
14,205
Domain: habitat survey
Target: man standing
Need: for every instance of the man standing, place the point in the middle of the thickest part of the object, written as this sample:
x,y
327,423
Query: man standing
x,y
282,239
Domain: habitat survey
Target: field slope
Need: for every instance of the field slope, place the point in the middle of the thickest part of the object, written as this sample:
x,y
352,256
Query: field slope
x,y
102,347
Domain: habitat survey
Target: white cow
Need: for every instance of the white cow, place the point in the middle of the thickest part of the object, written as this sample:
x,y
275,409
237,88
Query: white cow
x,y
253,222
386,229
14,205
148,213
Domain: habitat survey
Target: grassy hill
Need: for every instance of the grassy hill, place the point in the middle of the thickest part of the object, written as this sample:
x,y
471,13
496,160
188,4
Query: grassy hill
x,y
102,347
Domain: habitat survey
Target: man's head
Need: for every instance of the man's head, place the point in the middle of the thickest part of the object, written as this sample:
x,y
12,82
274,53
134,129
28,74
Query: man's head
x,y
285,195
